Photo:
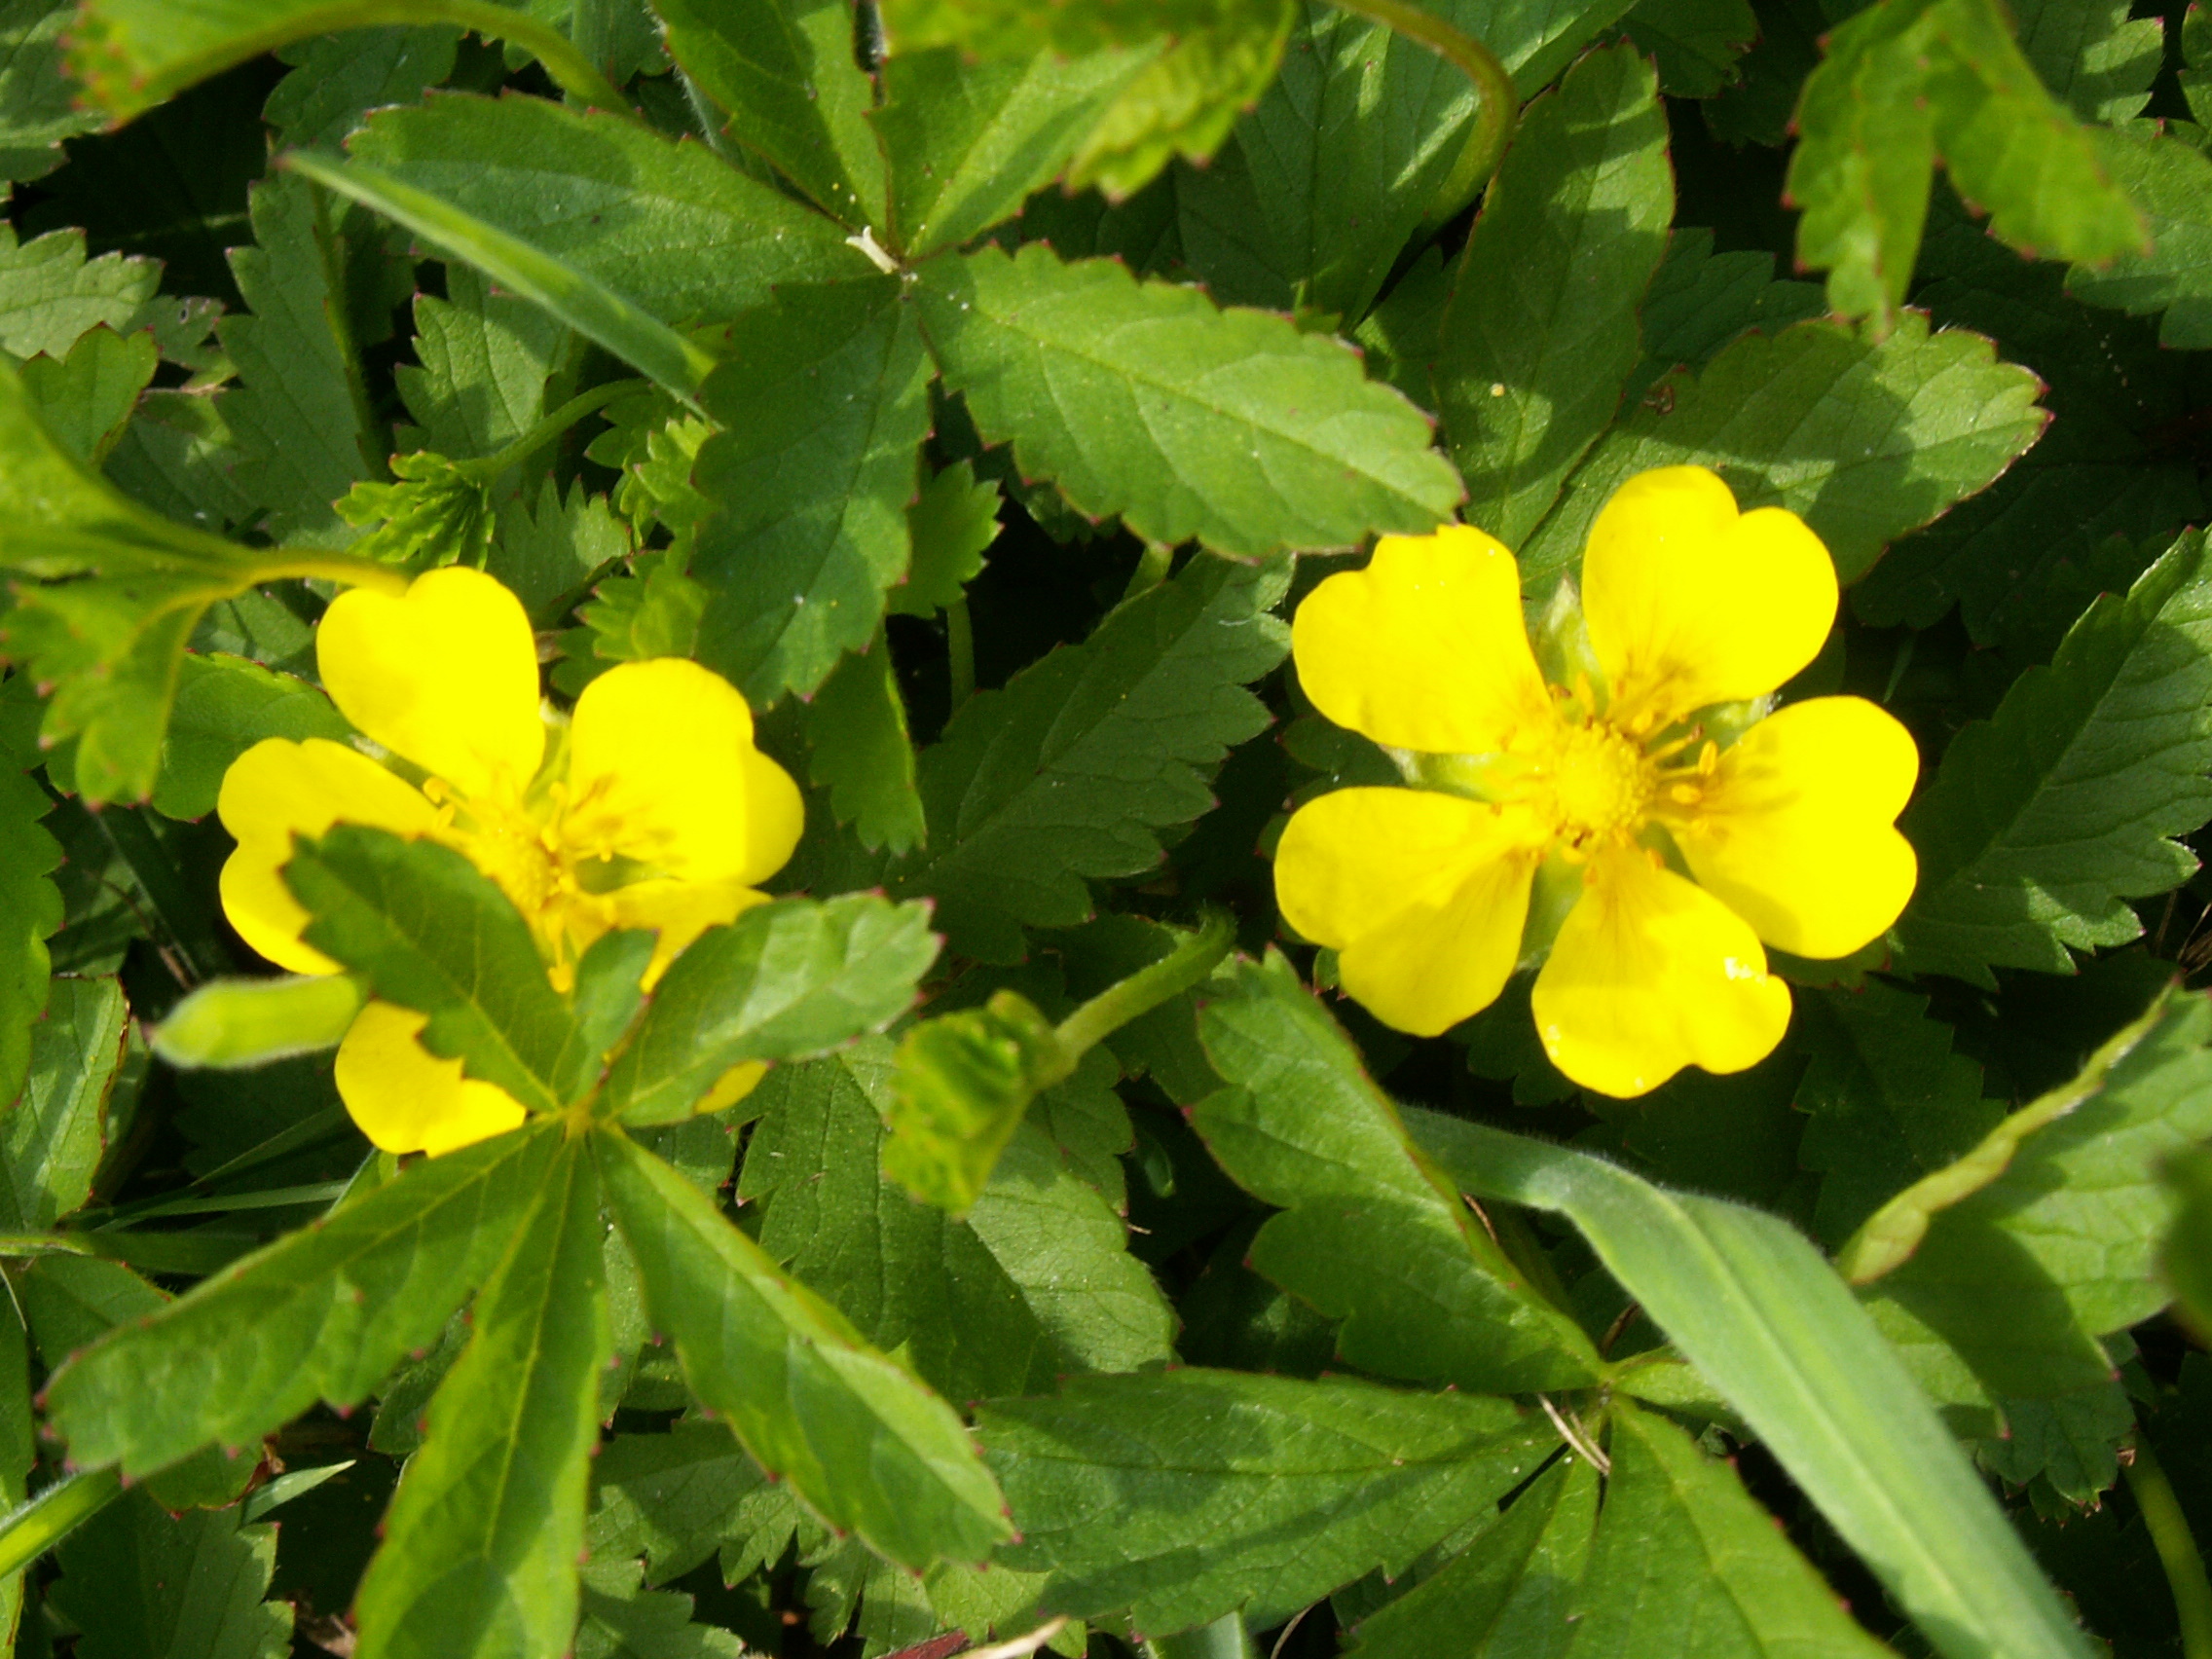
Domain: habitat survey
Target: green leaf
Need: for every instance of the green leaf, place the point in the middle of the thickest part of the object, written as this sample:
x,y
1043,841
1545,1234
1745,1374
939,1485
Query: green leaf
x,y
1368,1233
1769,1324
437,513
138,1581
302,434
2171,181
2046,819
951,524
546,554
85,397
784,72
38,102
966,141
864,1444
1697,42
1186,1495
224,706
1700,301
784,981
2184,1254
428,930
2050,1224
823,419
653,610
485,359
1034,1283
2093,55
1003,28
643,1624
1509,1592
858,751
1071,770
961,1084
30,906
255,1347
338,78
1864,439
482,1542
1682,1547
1889,1100
1906,81
52,1138
1542,333
50,294
228,1023
673,1499
1145,400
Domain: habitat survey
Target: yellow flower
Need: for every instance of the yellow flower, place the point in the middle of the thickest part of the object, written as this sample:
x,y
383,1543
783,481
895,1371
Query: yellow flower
x,y
1619,820
649,807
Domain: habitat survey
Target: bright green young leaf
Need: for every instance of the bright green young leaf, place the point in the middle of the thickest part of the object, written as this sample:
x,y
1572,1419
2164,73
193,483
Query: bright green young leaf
x,y
858,750
1696,42
1008,28
1510,1592
1368,1233
1071,771
1682,1548
2184,1254
252,1348
1908,81
1035,1282
487,361
1148,401
961,1084
137,1581
2043,821
966,141
1541,333
85,397
1889,1099
484,1537
864,1444
224,706
30,907
52,1138
952,523
228,1023
428,930
436,513
1770,1325
782,982
821,421
50,294
1864,439
784,72
1186,1495
2171,181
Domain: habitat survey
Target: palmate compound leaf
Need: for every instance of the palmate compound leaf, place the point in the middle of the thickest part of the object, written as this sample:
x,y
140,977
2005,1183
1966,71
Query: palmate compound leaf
x,y
1771,1327
1186,1495
1034,1283
1542,333
1072,770
1906,81
1147,400
1368,1233
483,1540
864,1444
2043,821
322,1314
1863,438
785,981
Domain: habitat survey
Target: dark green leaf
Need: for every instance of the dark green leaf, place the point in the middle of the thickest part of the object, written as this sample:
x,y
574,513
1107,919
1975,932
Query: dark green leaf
x,y
862,1443
2185,1255
855,733
486,359
672,1498
85,397
2044,820
1697,42
546,553
646,1624
2093,55
1148,401
784,981
428,930
338,78
50,293
52,1138
1186,1495
823,418
1370,1233
1073,768
951,524
1864,439
1541,333
137,1581
30,906
38,102
484,1537
224,706
2171,182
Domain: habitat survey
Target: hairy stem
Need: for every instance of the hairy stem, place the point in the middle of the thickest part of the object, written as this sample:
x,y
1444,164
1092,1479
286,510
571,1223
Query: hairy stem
x,y
485,469
1148,987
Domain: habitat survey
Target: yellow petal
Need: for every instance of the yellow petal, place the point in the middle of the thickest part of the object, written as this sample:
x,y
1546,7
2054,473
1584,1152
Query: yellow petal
x,y
404,1097
732,1086
1650,974
1425,647
775,816
278,787
679,911
662,770
1797,830
1691,604
1423,895
445,674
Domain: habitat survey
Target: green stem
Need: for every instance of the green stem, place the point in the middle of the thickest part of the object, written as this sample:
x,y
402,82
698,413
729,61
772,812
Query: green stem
x,y
485,469
32,1529
960,647
2177,1549
1496,105
1151,570
1148,987
1224,1638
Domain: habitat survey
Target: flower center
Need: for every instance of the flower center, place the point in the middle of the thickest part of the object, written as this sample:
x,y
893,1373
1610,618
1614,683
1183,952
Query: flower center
x,y
524,853
1592,782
